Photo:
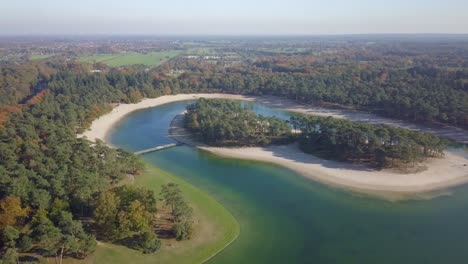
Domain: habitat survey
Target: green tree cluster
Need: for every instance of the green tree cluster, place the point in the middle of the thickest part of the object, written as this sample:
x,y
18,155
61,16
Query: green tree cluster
x,y
125,215
182,213
228,123
377,145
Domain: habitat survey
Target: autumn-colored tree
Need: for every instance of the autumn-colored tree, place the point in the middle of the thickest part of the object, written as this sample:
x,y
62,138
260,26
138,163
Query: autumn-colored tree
x,y
11,211
106,213
125,215
167,90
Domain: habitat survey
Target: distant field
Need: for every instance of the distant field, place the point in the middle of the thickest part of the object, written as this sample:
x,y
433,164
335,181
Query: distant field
x,y
39,56
201,51
123,59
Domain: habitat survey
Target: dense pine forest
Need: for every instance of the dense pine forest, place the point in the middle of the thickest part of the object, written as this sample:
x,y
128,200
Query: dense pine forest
x,y
59,192
228,123
423,94
376,145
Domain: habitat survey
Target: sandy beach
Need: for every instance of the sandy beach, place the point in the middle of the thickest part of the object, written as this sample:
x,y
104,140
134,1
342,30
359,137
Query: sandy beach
x,y
102,126
440,174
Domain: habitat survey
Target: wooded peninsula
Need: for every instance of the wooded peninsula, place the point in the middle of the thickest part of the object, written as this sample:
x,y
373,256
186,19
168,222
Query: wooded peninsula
x,y
221,122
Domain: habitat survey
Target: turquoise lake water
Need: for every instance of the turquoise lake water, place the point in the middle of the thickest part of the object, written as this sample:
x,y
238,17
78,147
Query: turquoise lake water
x,y
286,218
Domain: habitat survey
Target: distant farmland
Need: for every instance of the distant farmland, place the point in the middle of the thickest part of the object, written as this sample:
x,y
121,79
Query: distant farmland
x,y
122,59
40,56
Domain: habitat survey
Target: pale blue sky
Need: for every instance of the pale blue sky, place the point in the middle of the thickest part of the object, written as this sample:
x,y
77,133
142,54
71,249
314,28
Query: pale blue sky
x,y
235,17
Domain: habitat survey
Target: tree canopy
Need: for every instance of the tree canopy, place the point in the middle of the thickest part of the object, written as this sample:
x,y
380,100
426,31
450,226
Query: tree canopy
x,y
228,123
50,179
376,145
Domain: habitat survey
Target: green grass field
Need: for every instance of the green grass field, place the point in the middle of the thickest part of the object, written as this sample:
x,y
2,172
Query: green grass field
x,y
214,228
152,59
40,56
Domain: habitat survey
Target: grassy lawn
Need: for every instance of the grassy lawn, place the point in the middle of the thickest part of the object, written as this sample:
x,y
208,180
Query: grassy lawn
x,y
214,228
152,59
39,56
99,57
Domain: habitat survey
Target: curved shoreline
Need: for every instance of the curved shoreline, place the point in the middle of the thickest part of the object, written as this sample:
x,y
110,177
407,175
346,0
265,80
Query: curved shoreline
x,y
102,126
441,174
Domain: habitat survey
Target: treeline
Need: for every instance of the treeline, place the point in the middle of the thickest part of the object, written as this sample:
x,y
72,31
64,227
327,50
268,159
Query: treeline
x,y
376,145
50,179
92,94
228,123
399,89
417,93
19,82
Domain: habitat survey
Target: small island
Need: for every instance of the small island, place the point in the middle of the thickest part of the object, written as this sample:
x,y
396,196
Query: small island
x,y
225,123
220,122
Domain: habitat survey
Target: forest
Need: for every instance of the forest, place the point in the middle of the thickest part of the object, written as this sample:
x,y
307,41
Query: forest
x,y
422,94
398,82
58,192
379,146
227,123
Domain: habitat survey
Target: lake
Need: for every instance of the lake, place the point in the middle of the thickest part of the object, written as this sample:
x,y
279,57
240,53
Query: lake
x,y
286,218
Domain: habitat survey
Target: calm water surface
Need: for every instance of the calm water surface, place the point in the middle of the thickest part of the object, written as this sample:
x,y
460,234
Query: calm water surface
x,y
286,218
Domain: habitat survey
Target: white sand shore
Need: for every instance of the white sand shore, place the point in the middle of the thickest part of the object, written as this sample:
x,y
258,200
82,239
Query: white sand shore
x,y
102,126
440,174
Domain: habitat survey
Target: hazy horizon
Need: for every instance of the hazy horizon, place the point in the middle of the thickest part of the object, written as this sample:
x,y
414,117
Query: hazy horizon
x,y
243,18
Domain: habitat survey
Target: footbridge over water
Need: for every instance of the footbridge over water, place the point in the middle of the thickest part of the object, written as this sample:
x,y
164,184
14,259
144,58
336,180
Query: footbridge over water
x,y
157,148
